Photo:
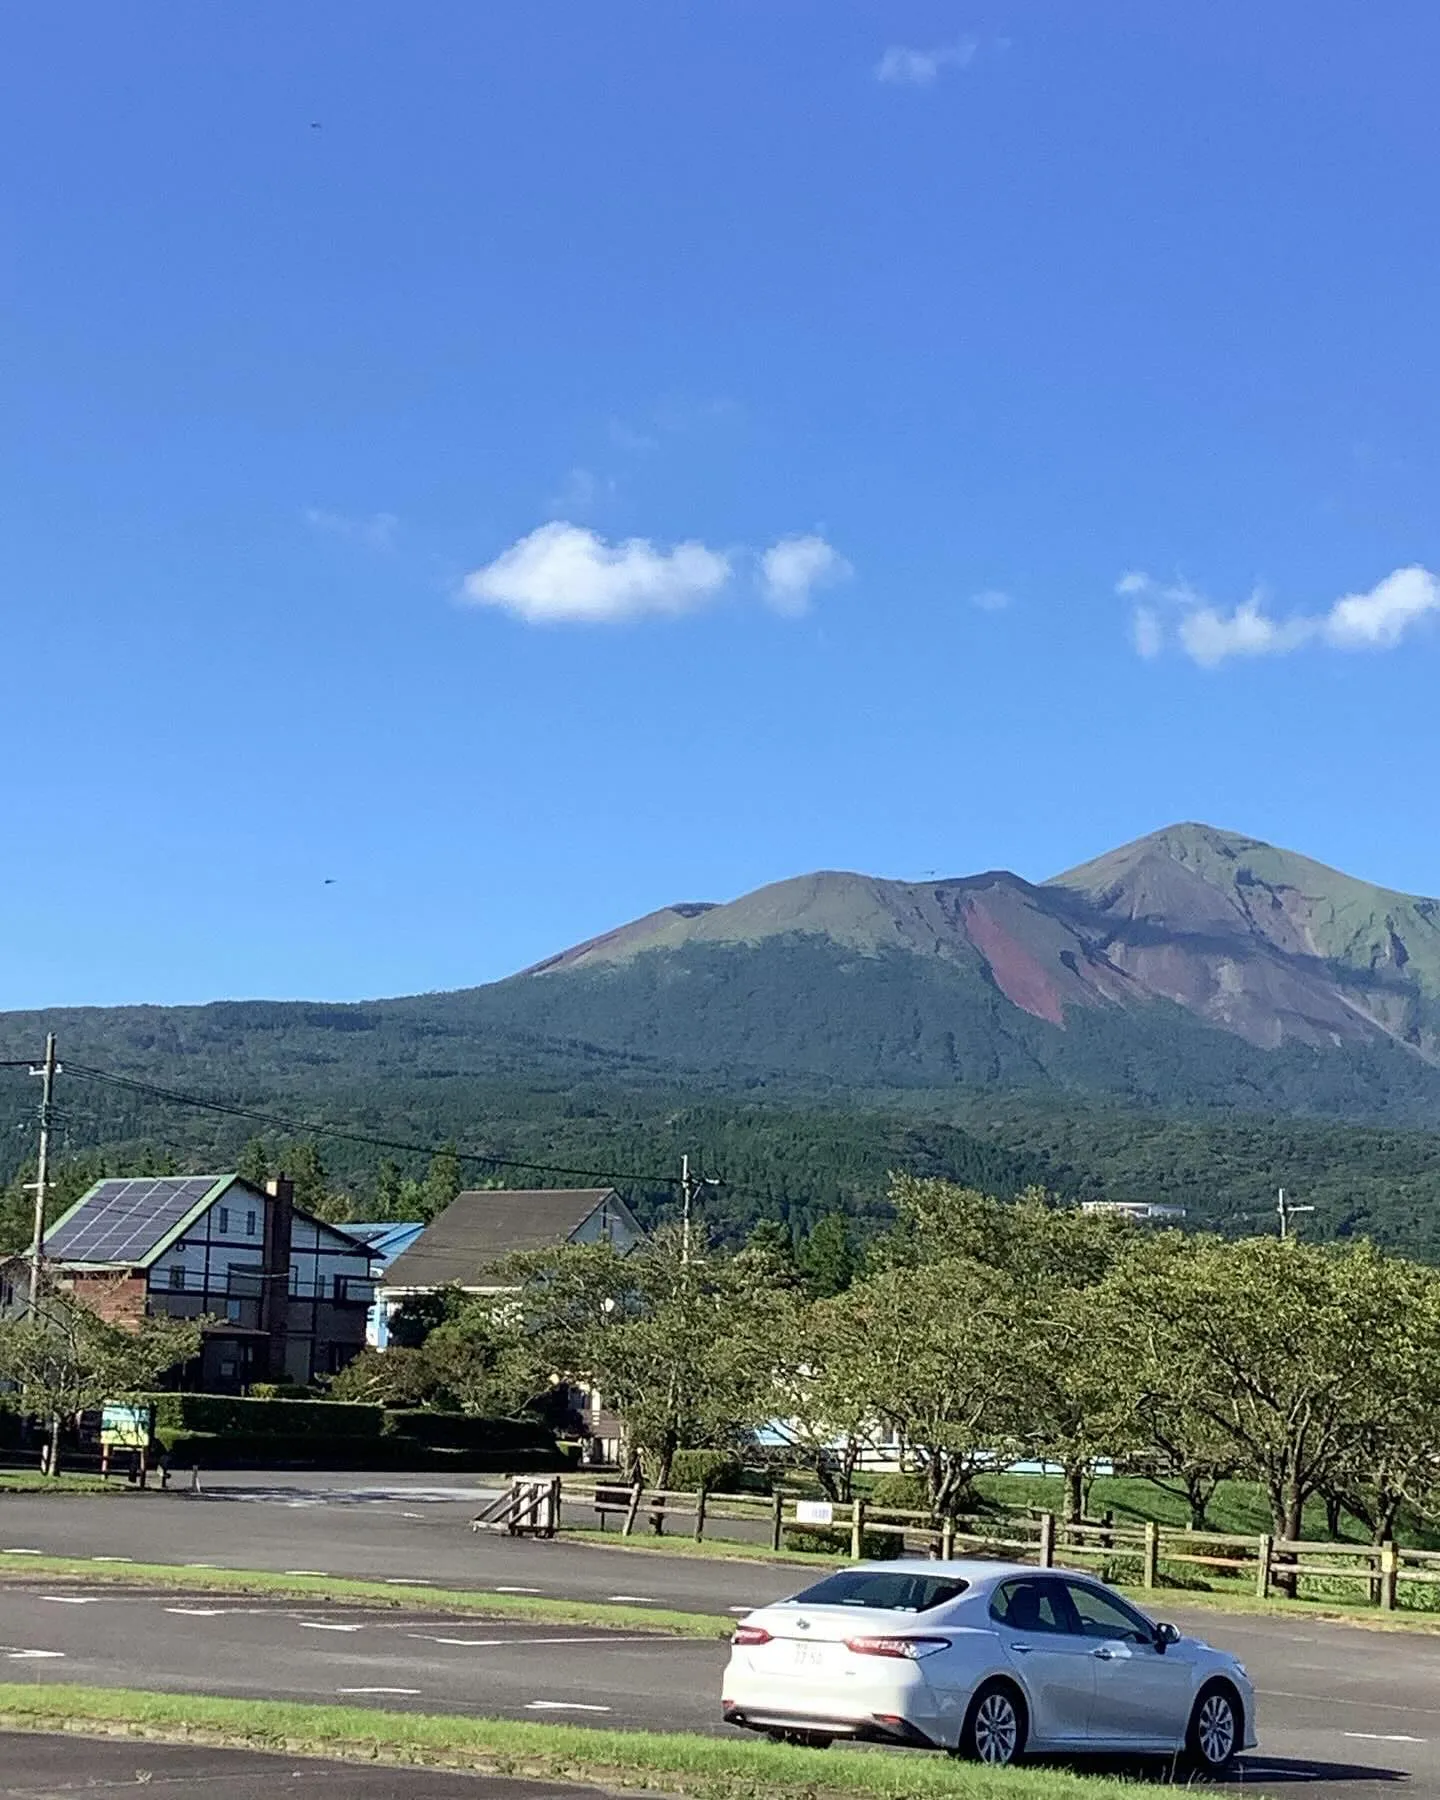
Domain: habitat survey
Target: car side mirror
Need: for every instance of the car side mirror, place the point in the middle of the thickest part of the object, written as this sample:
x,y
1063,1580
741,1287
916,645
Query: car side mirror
x,y
1165,1636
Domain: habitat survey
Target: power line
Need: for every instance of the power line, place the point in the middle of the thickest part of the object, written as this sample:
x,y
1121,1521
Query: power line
x,y
300,1128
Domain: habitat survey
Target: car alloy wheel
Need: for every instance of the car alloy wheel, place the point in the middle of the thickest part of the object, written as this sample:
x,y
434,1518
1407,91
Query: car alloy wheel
x,y
1214,1730
995,1729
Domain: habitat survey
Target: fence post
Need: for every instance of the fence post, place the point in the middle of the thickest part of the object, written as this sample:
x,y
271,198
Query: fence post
x,y
1047,1540
700,1514
1262,1571
1389,1569
777,1519
857,1530
1152,1554
947,1540
637,1488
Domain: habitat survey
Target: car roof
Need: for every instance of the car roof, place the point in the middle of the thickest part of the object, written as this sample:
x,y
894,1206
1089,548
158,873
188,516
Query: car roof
x,y
968,1569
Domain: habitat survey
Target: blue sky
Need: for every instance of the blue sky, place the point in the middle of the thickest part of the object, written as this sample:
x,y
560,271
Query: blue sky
x,y
530,464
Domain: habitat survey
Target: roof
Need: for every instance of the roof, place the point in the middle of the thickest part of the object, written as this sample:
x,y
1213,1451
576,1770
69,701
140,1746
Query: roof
x,y
480,1228
385,1239
131,1222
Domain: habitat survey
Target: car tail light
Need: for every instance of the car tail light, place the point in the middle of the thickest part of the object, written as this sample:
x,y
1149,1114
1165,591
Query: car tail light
x,y
908,1649
750,1634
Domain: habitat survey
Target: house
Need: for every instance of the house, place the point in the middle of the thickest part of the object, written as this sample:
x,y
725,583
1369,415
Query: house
x,y
463,1246
1139,1212
288,1293
385,1241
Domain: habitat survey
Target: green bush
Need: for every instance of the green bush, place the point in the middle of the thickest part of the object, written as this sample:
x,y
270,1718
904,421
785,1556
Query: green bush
x,y
877,1545
270,1450
705,1471
224,1414
900,1493
464,1431
280,1390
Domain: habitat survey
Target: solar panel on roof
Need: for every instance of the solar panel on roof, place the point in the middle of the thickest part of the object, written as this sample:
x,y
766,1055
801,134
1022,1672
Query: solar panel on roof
x,y
123,1221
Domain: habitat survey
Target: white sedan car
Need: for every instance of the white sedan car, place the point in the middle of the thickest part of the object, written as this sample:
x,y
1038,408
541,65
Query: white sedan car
x,y
988,1660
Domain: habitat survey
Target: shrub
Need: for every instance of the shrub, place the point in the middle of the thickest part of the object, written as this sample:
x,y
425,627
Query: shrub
x,y
226,1414
877,1545
900,1493
705,1471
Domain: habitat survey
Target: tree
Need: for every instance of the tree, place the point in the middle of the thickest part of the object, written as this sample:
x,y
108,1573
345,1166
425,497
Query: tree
x,y
389,1190
311,1182
678,1344
817,1405
442,1182
475,1361
1275,1353
254,1163
63,1360
827,1257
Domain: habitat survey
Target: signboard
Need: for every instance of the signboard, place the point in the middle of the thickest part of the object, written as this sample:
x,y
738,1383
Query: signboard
x,y
814,1512
126,1427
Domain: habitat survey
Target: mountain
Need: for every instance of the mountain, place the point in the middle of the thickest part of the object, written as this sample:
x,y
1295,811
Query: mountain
x,y
1194,965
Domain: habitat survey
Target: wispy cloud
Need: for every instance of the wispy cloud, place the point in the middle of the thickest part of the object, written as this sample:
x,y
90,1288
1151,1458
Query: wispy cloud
x,y
582,490
991,600
903,66
376,531
793,568
563,573
1174,612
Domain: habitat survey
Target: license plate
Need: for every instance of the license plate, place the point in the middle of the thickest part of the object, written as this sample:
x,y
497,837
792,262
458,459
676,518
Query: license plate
x,y
809,1656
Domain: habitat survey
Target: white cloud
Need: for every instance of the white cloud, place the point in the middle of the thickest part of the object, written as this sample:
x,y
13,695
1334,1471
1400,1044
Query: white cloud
x,y
563,573
905,67
991,600
376,531
795,566
1377,620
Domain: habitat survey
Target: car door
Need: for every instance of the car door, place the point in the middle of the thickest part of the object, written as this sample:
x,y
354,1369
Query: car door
x,y
1053,1660
1142,1694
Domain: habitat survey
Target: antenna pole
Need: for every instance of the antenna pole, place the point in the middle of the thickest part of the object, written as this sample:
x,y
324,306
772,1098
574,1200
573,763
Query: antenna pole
x,y
47,1073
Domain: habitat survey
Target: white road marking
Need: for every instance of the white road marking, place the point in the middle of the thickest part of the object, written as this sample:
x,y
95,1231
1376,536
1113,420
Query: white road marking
x,y
1384,1737
199,1612
562,1706
378,1690
519,1590
321,1625
112,1559
17,1552
405,1515
471,1643
408,1581
636,1599
202,1565
519,1643
32,1655
322,1572
71,1599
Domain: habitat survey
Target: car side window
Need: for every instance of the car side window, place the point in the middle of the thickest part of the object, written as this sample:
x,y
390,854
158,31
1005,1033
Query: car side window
x,y
1101,1616
1030,1605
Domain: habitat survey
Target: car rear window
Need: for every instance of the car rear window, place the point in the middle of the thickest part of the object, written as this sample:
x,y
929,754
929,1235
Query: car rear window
x,y
891,1590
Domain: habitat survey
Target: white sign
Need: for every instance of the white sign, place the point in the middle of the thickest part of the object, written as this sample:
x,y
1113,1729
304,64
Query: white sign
x,y
814,1512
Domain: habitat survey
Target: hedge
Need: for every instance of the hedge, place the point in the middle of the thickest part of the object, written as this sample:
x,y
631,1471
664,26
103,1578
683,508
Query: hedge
x,y
464,1431
224,1414
877,1545
208,1450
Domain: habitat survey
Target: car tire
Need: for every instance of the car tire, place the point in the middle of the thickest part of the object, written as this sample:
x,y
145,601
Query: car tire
x,y
995,1726
1215,1730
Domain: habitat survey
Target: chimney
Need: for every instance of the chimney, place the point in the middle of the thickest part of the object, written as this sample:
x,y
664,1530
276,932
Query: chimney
x,y
275,1287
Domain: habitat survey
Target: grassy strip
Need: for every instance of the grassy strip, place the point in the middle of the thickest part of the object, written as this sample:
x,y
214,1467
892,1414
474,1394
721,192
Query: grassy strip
x,y
677,1763
31,1481
344,1590
716,1549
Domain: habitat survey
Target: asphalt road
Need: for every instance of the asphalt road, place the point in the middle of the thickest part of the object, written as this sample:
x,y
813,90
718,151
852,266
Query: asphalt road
x,y
55,1768
1343,1710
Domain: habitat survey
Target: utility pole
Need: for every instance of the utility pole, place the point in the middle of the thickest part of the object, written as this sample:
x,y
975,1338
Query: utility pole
x,y
1286,1212
689,1186
47,1073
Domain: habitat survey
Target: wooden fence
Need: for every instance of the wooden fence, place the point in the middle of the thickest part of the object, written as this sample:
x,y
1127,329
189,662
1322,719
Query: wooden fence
x,y
1138,1555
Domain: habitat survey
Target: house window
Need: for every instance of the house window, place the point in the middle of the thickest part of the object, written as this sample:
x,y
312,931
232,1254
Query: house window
x,y
224,1221
232,1311
177,1278
250,1224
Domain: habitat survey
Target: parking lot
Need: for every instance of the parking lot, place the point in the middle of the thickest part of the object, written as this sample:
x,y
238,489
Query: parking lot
x,y
1346,1710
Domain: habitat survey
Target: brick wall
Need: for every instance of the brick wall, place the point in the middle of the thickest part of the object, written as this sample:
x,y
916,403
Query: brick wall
x,y
118,1299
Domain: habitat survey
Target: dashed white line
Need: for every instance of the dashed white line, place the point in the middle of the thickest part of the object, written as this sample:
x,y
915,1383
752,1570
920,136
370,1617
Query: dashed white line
x,y
199,1612
562,1706
1384,1737
72,1599
635,1599
323,1572
322,1625
409,1692
408,1581
112,1559
33,1655
467,1643
201,1565
14,1551
518,1590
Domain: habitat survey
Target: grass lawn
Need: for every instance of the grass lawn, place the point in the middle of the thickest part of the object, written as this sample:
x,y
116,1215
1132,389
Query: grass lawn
x,y
700,1768
31,1481
370,1593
